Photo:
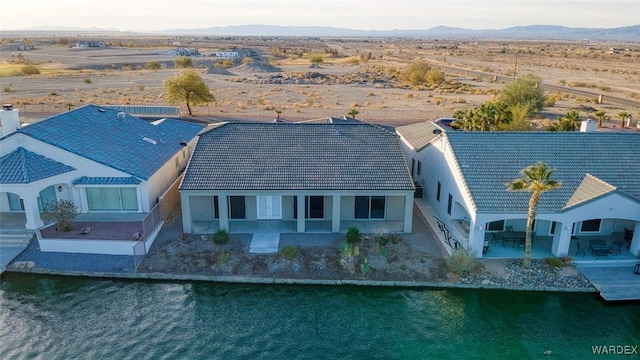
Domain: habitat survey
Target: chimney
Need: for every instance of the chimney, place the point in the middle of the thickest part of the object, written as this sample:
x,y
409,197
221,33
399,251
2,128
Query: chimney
x,y
9,120
121,116
588,126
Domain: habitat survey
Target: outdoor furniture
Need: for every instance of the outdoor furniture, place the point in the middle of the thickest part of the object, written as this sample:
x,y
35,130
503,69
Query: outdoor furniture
x,y
513,236
580,250
615,247
598,244
485,247
497,237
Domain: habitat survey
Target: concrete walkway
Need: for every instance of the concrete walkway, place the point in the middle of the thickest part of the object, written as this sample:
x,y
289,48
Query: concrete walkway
x,y
265,243
613,282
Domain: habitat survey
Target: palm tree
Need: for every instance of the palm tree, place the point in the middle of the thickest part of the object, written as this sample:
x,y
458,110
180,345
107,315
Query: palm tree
x,y
623,115
537,180
600,114
466,120
353,112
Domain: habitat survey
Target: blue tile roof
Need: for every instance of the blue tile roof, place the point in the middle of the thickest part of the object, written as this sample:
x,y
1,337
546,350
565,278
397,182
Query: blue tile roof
x,y
98,134
22,167
85,180
489,160
280,156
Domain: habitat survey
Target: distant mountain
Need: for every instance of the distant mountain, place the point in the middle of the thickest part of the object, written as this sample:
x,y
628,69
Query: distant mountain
x,y
550,32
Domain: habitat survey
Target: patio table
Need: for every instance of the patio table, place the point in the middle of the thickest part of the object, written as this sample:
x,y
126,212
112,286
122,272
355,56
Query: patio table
x,y
514,236
600,252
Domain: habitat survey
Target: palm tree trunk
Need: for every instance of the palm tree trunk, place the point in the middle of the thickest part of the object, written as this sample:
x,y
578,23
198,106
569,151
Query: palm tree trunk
x,y
531,214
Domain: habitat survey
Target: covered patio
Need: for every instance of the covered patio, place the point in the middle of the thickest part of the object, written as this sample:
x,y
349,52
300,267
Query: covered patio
x,y
311,226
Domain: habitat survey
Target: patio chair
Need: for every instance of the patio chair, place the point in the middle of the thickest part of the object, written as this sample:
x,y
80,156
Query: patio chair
x,y
509,228
485,247
628,236
597,244
615,247
580,250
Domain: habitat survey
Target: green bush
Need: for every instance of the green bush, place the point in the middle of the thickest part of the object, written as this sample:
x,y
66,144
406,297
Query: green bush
x,y
221,237
30,70
348,251
183,62
152,65
289,252
62,212
463,262
353,235
554,262
88,81
223,258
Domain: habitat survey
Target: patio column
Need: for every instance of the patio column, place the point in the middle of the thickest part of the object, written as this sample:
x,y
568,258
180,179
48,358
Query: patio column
x,y
561,239
408,214
223,212
300,206
635,241
31,211
185,200
335,214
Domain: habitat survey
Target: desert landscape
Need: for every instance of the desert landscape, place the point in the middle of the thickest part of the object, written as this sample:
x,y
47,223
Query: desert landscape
x,y
282,77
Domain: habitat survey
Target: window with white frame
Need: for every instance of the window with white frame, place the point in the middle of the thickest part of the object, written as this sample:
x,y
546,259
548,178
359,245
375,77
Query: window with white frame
x,y
369,207
592,225
112,199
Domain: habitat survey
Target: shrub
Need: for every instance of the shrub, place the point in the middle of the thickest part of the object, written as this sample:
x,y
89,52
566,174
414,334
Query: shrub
x,y
152,65
223,258
353,236
554,262
30,70
63,212
221,237
348,252
247,60
183,62
87,80
463,262
289,252
7,89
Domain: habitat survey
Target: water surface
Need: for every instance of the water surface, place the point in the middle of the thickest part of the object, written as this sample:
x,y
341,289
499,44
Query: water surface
x,y
78,318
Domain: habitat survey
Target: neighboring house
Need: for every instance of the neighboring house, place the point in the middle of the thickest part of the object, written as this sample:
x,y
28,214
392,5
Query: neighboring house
x,y
297,177
228,54
464,175
89,44
103,160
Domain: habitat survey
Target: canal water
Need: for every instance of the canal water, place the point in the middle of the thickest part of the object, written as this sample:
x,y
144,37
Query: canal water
x,y
44,317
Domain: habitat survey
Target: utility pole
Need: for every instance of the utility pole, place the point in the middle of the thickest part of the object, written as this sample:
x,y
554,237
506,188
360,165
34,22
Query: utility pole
x,y
515,67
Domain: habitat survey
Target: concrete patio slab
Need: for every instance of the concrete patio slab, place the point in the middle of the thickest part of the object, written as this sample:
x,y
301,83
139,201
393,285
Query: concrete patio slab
x,y
264,243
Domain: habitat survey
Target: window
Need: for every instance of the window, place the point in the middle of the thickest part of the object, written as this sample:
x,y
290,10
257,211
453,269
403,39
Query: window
x,y
419,167
438,191
112,199
313,207
177,162
590,225
496,226
449,204
413,166
553,228
369,207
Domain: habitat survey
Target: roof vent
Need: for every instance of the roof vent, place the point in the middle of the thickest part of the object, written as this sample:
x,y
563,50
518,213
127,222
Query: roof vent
x,y
121,116
150,140
101,110
7,107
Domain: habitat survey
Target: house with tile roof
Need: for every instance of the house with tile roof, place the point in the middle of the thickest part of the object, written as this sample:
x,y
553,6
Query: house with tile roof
x,y
464,175
297,178
103,160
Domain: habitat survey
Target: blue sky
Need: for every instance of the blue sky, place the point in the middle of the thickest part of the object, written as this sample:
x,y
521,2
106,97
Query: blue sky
x,y
140,15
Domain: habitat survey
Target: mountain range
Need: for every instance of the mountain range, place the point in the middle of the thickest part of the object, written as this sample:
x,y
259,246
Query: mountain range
x,y
541,32
550,32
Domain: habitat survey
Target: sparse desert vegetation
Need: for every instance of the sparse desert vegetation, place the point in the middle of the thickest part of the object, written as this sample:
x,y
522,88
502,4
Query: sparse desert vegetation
x,y
389,81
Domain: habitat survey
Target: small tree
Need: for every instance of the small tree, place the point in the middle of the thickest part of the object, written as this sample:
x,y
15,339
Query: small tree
x,y
187,87
600,115
183,62
247,60
524,90
317,59
63,212
623,115
353,112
